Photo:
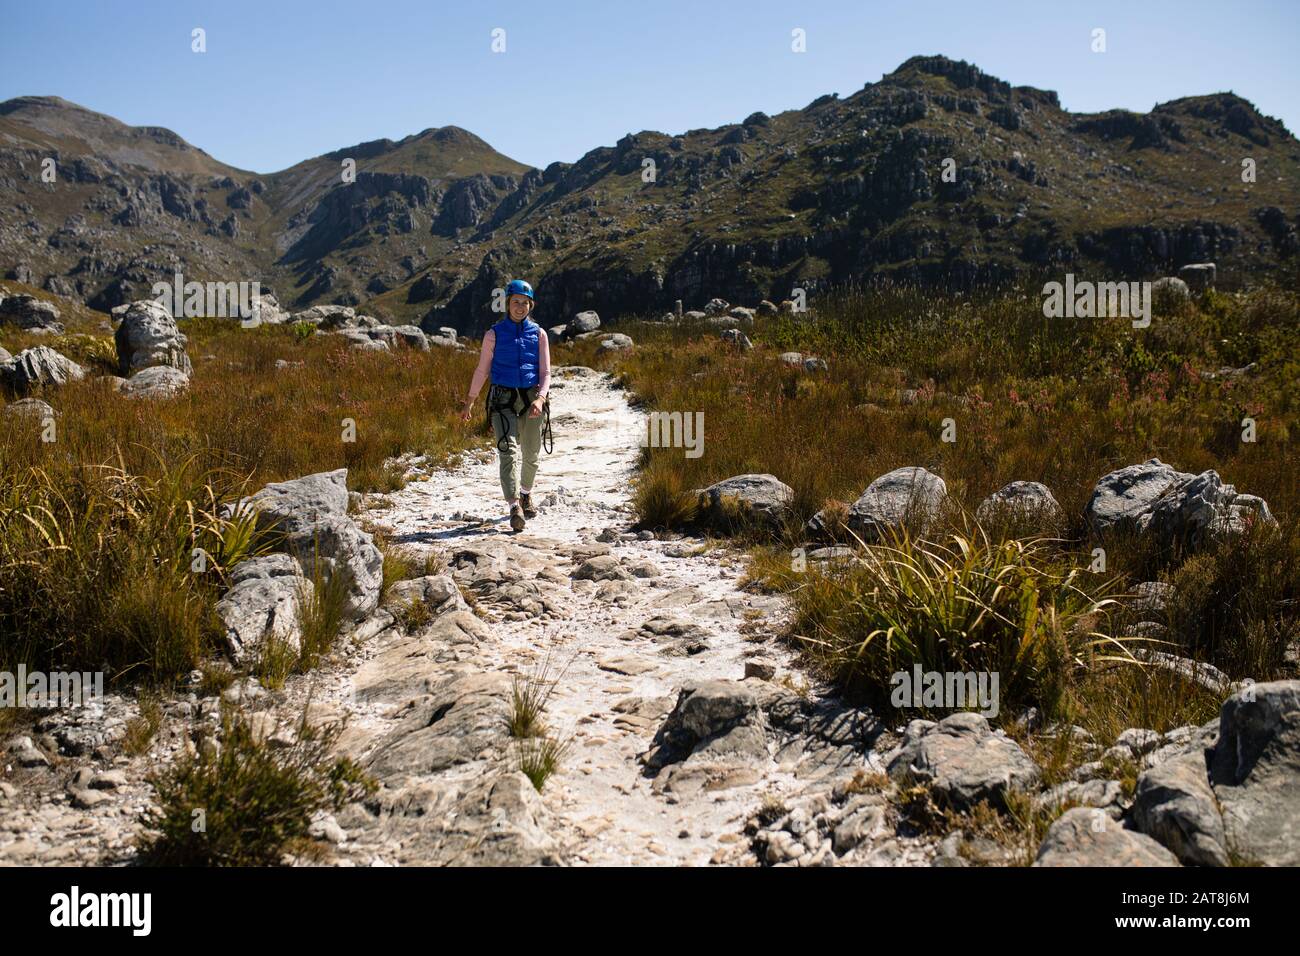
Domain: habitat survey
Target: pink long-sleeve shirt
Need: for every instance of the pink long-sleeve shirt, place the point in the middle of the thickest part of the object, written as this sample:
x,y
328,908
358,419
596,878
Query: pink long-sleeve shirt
x,y
485,365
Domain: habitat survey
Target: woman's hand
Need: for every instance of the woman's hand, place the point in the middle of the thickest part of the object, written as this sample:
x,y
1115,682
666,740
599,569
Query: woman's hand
x,y
535,409
467,411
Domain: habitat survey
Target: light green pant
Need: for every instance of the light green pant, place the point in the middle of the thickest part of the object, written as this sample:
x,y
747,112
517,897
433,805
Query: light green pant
x,y
521,433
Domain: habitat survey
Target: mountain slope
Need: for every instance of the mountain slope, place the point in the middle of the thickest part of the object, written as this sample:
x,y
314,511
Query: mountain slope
x,y
130,205
852,188
843,189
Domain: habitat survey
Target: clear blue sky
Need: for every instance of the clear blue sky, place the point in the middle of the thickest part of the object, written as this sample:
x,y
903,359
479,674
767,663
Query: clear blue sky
x,y
283,80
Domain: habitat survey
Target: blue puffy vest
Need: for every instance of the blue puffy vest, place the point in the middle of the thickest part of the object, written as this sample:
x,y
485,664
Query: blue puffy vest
x,y
517,354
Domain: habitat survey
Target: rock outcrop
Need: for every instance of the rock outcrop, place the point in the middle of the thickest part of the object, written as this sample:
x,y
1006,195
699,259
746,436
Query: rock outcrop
x,y
764,499
962,761
147,336
1174,506
905,497
311,514
40,366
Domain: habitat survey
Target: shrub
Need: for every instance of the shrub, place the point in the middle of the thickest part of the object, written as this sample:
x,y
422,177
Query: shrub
x,y
967,605
245,801
1235,604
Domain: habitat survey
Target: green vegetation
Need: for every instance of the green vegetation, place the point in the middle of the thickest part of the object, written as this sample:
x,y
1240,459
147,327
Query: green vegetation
x,y
99,528
1062,402
965,604
246,801
538,751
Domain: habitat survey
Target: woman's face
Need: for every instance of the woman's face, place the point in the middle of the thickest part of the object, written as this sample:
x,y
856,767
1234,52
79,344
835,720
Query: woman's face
x,y
519,306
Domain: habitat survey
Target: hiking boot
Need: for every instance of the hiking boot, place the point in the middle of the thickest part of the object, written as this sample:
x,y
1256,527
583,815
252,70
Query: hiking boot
x,y
526,502
516,517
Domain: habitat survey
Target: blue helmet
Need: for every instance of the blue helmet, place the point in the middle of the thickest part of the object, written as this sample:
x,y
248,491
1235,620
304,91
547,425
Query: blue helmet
x,y
520,287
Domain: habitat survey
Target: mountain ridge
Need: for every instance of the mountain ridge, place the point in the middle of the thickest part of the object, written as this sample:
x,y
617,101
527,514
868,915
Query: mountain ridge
x,y
842,189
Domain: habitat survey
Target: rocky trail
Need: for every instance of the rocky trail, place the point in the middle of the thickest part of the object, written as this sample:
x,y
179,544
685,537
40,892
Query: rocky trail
x,y
620,622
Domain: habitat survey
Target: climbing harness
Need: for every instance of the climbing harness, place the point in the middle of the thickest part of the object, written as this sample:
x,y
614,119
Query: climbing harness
x,y
502,398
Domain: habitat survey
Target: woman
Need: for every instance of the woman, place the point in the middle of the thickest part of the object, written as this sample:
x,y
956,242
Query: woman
x,y
516,354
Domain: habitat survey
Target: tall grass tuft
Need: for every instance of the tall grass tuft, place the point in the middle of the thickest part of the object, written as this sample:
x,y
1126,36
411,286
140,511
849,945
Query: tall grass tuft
x,y
246,801
963,605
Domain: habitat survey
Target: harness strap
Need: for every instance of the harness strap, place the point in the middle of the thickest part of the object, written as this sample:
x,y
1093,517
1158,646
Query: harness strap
x,y
502,397
548,440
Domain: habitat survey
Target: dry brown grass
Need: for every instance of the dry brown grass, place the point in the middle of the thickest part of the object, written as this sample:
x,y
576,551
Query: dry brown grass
x,y
1062,402
97,528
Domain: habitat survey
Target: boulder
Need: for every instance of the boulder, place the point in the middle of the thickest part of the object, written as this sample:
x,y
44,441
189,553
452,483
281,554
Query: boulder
x,y
812,363
39,366
157,381
1021,500
385,334
1123,496
1229,373
792,358
30,313
266,309
723,321
328,317
5,357
1198,275
582,322
601,567
716,307
767,308
764,498
909,495
1154,498
714,738
1198,672
742,313
962,761
615,343
1170,286
1085,836
1174,804
555,333
738,339
263,604
413,336
1255,772
1105,795
312,514
695,316
148,336
29,408
1151,598
1139,740
438,592
363,340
